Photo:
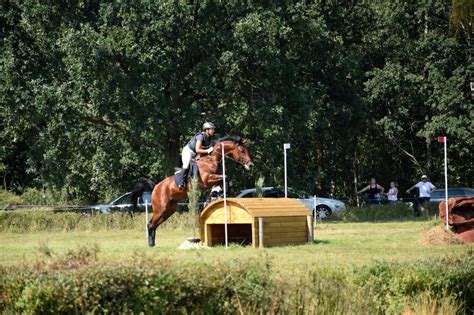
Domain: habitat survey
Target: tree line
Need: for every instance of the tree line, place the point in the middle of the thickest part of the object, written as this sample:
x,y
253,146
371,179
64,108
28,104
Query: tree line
x,y
96,94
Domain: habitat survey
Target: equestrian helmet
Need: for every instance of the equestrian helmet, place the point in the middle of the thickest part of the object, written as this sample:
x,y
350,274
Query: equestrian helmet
x,y
208,125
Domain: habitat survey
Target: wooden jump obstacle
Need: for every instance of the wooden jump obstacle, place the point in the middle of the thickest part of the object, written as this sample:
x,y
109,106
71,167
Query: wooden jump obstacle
x,y
262,222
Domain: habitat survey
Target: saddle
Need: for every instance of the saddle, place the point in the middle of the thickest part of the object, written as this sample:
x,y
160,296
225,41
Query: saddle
x,y
193,171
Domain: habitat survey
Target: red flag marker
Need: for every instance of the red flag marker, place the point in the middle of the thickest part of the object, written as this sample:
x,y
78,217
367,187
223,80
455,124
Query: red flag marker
x,y
441,139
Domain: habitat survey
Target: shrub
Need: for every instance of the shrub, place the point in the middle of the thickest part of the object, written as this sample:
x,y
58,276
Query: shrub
x,y
397,211
9,198
76,282
33,196
160,288
393,286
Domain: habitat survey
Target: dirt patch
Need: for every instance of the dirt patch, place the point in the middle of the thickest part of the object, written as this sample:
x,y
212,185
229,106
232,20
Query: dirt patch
x,y
192,243
439,236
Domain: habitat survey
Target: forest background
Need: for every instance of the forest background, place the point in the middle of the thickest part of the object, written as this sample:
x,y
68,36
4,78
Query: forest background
x,y
95,94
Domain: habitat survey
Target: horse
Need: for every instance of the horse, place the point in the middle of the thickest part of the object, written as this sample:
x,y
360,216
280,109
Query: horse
x,y
166,194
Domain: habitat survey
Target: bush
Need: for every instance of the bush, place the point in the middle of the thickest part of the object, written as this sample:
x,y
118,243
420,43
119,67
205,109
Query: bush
x,y
33,196
76,282
151,288
320,292
393,286
9,198
397,211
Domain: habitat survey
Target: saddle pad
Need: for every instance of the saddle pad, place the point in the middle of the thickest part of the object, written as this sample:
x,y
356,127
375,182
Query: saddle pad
x,y
194,171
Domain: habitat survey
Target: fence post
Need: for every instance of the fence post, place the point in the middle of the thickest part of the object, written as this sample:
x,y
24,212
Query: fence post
x,y
146,217
309,222
260,232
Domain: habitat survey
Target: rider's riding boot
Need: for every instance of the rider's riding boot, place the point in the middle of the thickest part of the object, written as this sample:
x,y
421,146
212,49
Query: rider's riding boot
x,y
184,178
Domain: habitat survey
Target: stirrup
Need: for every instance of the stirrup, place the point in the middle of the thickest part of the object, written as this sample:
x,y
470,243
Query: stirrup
x,y
182,185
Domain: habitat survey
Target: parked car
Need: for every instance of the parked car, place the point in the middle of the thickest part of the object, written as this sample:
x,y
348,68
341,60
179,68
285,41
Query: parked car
x,y
438,194
124,203
325,207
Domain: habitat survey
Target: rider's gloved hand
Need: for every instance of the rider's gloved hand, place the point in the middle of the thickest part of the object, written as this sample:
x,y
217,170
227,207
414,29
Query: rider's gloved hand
x,y
210,150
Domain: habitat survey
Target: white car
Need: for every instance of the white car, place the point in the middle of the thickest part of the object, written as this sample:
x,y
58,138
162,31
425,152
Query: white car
x,y
325,207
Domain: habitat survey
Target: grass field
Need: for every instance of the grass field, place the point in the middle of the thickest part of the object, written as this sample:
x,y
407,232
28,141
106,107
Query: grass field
x,y
336,245
351,267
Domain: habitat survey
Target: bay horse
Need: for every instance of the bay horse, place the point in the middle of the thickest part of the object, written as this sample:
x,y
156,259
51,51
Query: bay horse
x,y
166,194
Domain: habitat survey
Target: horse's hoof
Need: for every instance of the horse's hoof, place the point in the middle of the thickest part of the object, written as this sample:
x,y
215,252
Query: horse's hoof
x,y
151,245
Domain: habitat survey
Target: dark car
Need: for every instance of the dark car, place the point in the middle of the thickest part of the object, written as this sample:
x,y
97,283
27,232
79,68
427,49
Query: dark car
x,y
438,194
124,203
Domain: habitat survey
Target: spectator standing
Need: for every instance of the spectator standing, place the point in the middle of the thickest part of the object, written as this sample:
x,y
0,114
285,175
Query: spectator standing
x,y
392,195
425,189
373,192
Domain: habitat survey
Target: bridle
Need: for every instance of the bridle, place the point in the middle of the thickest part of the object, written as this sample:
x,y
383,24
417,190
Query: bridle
x,y
239,152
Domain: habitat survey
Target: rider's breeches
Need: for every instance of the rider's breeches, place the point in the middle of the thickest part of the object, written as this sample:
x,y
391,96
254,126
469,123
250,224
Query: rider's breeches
x,y
186,155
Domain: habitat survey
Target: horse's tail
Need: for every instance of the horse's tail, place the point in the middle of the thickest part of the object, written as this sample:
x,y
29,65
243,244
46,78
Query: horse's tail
x,y
143,185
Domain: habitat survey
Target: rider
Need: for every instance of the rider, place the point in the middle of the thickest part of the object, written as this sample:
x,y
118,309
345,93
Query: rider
x,y
199,144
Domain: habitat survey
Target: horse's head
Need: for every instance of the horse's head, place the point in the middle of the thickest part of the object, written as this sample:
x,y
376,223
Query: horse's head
x,y
236,147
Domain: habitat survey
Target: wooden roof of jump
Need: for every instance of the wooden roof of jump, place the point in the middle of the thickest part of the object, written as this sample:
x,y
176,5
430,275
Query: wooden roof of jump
x,y
262,207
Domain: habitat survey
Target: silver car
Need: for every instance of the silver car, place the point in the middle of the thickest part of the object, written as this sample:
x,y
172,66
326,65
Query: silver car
x,y
325,207
124,203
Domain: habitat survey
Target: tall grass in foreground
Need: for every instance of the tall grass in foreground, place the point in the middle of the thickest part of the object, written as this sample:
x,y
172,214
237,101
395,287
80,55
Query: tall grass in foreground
x,y
35,221
76,283
47,220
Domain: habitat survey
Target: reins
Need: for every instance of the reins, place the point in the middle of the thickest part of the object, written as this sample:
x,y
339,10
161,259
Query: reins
x,y
215,152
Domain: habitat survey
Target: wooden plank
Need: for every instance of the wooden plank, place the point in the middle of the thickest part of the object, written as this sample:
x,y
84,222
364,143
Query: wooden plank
x,y
282,224
301,229
298,240
275,207
283,219
234,216
278,205
273,213
277,225
254,238
209,235
284,244
233,220
286,234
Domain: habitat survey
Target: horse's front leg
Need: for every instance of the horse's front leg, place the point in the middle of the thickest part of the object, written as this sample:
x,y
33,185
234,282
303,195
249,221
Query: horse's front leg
x,y
212,179
159,209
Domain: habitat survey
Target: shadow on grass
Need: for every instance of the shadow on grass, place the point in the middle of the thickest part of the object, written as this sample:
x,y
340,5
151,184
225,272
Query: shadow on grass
x,y
316,242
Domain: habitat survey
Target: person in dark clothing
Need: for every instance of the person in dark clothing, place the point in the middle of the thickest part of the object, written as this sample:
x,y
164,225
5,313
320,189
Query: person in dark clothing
x,y
374,191
200,143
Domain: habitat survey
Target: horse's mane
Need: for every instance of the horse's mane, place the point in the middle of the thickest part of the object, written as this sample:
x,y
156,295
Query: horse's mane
x,y
235,139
